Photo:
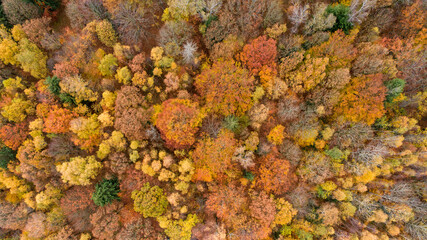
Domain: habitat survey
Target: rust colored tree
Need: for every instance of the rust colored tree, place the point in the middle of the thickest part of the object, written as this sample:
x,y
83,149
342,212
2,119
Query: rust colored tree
x,y
106,221
77,206
362,100
178,121
213,157
131,114
274,175
13,135
260,52
58,120
226,88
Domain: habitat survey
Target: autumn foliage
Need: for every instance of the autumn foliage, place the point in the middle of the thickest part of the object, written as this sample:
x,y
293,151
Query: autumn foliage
x,y
226,88
178,122
13,135
58,120
274,175
212,157
213,119
260,52
363,100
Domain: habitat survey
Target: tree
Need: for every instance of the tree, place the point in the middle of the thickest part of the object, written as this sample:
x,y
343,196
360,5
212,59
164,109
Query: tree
x,y
289,108
213,157
298,14
82,13
339,49
138,62
172,82
36,226
9,49
362,101
238,17
173,36
315,167
17,110
108,65
65,69
189,51
13,135
285,212
6,155
308,75
181,229
35,165
87,131
263,208
209,230
123,75
53,85
412,19
395,88
49,198
320,21
258,53
3,18
141,228
274,175
78,206
61,148
37,28
106,192
150,201
341,12
410,61
227,201
106,221
131,113
231,95
371,59
32,59
118,162
106,33
18,11
329,214
276,135
133,23
13,216
58,120
79,171
178,121
359,10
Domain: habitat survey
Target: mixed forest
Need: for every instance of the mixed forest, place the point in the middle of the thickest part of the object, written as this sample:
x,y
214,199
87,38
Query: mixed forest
x,y
213,119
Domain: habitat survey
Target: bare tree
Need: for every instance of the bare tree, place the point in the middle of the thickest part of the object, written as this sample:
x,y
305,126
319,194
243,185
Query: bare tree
x,y
368,155
298,14
359,10
417,229
132,24
245,158
189,51
209,8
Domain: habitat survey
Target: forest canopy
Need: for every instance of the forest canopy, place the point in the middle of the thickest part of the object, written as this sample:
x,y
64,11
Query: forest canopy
x,y
213,119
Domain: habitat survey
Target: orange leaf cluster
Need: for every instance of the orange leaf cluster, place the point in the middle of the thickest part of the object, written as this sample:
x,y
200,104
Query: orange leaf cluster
x,y
213,157
362,100
260,52
226,88
178,122
58,120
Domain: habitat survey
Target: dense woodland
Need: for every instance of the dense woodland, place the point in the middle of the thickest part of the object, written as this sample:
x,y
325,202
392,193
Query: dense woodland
x,y
213,119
